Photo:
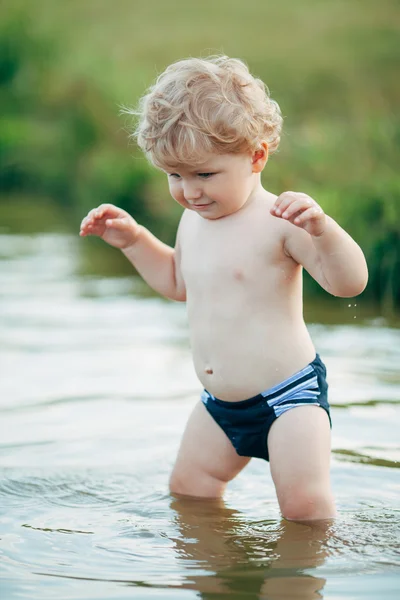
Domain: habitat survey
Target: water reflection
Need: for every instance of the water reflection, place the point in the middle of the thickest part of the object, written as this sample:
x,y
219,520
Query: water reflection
x,y
223,554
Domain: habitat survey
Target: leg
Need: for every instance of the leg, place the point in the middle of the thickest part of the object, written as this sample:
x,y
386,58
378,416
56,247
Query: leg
x,y
299,450
206,459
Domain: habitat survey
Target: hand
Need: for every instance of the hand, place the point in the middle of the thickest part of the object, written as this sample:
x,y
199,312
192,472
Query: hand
x,y
114,225
301,210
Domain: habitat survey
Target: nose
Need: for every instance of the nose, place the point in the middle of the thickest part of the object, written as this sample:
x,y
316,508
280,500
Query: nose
x,y
191,190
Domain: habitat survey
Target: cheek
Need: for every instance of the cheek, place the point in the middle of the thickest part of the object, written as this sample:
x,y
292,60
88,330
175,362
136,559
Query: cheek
x,y
235,186
174,190
176,194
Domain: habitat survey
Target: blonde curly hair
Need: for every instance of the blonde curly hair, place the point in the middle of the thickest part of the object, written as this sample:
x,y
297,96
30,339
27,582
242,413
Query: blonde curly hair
x,y
199,106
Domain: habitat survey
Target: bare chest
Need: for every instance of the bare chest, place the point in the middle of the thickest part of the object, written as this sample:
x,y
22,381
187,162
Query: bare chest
x,y
228,254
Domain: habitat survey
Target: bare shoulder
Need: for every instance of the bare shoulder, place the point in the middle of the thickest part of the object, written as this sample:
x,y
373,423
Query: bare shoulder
x,y
295,240
277,227
281,230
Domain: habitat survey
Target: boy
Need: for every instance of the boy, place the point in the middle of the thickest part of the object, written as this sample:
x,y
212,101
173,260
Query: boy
x,y
237,262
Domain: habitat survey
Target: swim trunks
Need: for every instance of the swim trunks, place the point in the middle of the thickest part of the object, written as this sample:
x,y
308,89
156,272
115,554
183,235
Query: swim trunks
x,y
247,422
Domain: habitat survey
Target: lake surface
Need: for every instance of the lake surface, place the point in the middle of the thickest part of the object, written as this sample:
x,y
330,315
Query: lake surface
x,y
96,386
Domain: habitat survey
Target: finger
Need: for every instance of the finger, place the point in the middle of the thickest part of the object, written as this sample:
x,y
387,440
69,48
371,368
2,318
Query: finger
x,y
277,204
83,232
95,229
283,201
94,215
86,220
119,223
91,214
314,212
89,222
84,224
296,206
86,229
285,195
106,211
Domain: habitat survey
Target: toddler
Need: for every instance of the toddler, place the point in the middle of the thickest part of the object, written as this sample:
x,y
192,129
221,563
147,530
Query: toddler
x,y
237,263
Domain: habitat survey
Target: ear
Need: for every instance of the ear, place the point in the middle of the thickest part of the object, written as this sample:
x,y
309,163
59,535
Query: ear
x,y
259,158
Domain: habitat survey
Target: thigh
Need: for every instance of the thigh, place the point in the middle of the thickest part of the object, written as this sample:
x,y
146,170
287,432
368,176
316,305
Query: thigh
x,y
299,445
206,458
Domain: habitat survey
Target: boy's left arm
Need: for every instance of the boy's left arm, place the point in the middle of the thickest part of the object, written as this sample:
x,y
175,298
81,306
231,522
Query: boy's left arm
x,y
318,243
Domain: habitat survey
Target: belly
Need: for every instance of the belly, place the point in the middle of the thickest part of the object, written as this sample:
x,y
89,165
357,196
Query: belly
x,y
238,356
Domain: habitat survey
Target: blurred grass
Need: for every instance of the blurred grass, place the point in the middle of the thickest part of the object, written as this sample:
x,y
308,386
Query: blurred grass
x,y
331,64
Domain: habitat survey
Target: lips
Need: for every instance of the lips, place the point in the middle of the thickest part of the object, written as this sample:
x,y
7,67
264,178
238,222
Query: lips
x,y
200,206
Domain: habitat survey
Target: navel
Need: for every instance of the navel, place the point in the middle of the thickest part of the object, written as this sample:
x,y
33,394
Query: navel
x,y
238,274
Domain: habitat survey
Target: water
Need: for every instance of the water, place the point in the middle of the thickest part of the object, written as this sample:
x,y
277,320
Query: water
x,y
97,384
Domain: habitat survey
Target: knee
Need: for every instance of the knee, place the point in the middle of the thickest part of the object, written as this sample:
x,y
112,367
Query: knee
x,y
307,504
178,485
200,487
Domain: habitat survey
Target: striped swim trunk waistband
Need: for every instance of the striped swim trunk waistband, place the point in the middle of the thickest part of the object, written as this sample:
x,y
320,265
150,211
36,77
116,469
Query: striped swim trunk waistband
x,y
247,422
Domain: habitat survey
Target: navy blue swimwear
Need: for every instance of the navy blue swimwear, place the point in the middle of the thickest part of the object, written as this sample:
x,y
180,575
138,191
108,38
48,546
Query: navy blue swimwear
x,y
247,422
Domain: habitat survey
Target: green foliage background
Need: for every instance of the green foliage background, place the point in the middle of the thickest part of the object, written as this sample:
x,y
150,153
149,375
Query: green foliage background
x,y
66,68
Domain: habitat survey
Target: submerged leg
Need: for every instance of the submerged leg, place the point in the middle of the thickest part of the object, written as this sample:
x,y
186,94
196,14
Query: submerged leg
x,y
206,459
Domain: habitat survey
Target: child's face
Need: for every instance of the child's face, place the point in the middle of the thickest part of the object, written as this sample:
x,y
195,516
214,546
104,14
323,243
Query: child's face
x,y
217,188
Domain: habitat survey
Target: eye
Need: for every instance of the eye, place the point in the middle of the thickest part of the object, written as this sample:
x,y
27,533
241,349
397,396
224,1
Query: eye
x,y
174,175
205,175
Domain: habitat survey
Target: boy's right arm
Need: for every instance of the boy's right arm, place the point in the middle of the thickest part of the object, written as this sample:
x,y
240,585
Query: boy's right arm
x,y
157,263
